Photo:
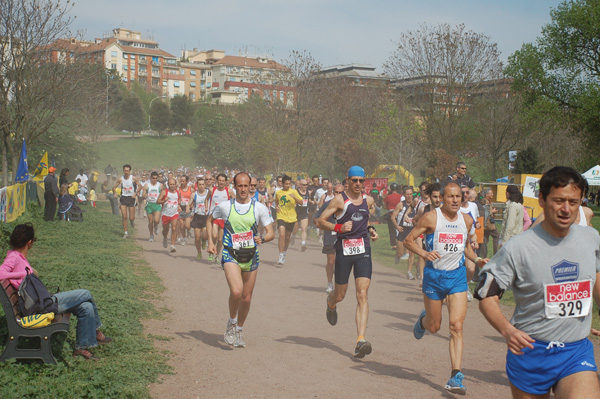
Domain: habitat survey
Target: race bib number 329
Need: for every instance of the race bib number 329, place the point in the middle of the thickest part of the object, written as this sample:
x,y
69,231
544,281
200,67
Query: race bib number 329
x,y
572,299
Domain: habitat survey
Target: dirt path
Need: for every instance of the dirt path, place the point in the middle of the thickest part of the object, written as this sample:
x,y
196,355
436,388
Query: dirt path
x,y
292,352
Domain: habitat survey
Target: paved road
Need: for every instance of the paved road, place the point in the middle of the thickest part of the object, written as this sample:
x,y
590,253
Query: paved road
x,y
292,352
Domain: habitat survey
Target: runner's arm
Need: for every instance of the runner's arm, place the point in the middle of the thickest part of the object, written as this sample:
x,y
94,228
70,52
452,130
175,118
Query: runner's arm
x,y
515,338
116,185
162,198
425,225
394,217
337,203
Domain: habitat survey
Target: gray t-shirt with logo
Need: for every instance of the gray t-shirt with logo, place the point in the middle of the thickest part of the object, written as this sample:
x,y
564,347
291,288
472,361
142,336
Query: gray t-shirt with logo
x,y
535,259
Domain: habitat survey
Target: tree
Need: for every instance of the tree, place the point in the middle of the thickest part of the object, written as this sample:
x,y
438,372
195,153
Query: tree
x,y
182,112
437,70
132,117
527,162
563,66
41,84
160,116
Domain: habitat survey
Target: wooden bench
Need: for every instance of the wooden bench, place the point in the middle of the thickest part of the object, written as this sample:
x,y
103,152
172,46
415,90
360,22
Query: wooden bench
x,y
8,298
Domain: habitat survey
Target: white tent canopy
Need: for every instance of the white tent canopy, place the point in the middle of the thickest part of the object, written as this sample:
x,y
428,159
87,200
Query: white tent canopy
x,y
593,176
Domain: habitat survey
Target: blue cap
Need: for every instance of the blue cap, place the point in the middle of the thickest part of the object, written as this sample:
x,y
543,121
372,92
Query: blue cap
x,y
356,171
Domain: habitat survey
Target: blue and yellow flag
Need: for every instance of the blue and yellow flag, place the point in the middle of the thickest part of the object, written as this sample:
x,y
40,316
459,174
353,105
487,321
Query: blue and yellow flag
x,y
42,169
22,172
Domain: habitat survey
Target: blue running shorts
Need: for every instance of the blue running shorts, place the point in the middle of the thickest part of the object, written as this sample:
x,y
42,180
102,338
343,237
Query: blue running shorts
x,y
539,369
437,284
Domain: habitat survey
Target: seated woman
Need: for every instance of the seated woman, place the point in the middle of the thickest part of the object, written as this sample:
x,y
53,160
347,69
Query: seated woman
x,y
65,203
78,302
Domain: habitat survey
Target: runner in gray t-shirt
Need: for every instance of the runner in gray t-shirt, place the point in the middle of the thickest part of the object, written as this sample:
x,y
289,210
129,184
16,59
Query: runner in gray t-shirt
x,y
552,270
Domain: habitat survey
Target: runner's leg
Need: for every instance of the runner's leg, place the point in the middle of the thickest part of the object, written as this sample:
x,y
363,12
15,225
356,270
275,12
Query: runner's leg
x,y
362,308
457,312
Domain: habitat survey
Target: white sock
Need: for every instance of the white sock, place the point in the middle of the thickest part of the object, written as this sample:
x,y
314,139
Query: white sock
x,y
233,321
303,242
238,328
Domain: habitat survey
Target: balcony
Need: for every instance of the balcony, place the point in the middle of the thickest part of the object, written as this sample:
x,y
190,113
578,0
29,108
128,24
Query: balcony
x,y
142,73
141,60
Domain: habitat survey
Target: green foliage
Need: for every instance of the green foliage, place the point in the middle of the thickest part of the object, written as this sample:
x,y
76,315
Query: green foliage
x,y
160,116
219,143
527,162
90,255
562,66
149,152
182,112
132,114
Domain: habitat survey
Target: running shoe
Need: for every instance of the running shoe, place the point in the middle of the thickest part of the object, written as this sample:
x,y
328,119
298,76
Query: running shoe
x,y
405,256
293,240
469,296
199,256
151,238
216,259
165,243
173,248
363,348
419,331
156,230
126,235
239,339
329,288
204,243
396,259
211,257
230,333
410,276
281,259
419,277
455,384
183,241
321,240
303,248
331,314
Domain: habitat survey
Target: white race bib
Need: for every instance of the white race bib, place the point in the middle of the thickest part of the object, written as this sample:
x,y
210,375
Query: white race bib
x,y
450,243
242,240
305,202
152,197
353,246
564,300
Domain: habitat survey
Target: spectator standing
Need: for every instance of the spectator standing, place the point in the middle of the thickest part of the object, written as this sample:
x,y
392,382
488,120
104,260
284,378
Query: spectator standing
x,y
460,177
63,177
390,202
82,178
489,223
50,194
513,215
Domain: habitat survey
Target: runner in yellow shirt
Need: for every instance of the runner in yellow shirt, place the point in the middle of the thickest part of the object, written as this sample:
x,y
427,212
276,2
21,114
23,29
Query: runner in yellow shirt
x,y
286,200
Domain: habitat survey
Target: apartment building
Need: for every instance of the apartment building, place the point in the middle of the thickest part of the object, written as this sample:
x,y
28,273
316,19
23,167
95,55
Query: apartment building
x,y
235,79
357,74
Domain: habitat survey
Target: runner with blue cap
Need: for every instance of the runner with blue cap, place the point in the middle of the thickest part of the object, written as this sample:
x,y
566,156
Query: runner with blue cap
x,y
351,210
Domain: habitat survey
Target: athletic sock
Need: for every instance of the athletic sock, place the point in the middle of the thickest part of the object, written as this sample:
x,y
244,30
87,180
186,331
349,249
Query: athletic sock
x,y
233,321
454,372
238,328
361,338
303,242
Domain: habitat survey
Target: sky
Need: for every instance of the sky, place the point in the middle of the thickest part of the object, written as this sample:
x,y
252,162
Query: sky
x,y
334,32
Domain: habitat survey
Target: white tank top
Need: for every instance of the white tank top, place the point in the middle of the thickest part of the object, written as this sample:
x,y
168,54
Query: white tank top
x,y
153,192
199,204
582,219
171,204
449,240
218,196
127,189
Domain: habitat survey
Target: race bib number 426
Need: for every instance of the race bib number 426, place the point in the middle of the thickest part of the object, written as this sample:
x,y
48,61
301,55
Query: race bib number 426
x,y
451,242
572,299
353,246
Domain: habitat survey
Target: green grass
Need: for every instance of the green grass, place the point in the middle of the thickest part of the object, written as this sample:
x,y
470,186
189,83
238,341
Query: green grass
x,y
91,255
148,152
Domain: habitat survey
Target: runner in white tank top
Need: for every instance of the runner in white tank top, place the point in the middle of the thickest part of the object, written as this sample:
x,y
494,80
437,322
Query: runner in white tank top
x,y
129,193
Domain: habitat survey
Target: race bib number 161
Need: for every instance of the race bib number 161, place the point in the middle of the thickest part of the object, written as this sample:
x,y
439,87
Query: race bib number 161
x,y
572,299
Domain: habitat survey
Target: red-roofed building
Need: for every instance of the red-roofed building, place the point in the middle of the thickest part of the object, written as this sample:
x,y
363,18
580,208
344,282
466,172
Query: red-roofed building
x,y
235,79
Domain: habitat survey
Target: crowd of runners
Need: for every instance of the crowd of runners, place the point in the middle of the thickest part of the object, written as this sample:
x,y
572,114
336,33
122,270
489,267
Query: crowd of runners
x,y
550,268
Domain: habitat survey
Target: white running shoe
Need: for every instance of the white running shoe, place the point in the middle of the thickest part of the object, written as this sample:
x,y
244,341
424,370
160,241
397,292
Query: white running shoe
x,y
230,333
329,288
281,259
469,296
151,238
410,276
405,256
183,241
126,235
239,339
173,249
165,243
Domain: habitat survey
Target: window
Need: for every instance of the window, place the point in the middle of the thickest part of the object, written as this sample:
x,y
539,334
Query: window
x,y
176,84
193,73
182,72
193,96
113,53
125,56
142,69
143,58
154,59
155,71
202,85
281,96
124,78
113,66
164,82
192,84
124,67
209,73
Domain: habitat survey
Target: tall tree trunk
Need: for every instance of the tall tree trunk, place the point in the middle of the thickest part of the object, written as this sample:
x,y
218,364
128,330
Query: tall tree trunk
x,y
4,162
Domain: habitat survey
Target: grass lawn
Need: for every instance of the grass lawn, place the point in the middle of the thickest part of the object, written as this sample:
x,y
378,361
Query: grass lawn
x,y
147,152
90,255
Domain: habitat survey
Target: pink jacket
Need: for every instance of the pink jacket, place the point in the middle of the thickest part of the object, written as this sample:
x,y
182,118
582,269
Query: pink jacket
x,y
13,268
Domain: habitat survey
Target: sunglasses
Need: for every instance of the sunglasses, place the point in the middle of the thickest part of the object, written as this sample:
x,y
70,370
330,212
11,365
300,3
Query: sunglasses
x,y
357,180
253,185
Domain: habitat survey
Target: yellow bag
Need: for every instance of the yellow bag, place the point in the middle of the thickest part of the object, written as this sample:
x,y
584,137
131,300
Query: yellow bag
x,y
37,320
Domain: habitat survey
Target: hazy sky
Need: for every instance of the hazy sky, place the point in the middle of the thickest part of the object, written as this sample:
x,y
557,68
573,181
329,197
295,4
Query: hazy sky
x,y
333,31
